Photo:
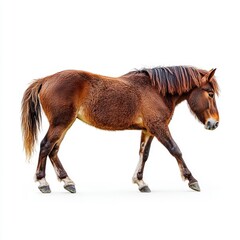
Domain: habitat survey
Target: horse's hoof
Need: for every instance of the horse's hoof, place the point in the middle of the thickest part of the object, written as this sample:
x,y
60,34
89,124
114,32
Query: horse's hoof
x,y
44,189
194,186
70,188
145,189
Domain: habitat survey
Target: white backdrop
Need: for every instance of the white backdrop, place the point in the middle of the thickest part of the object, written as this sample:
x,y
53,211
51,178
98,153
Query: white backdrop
x,y
39,38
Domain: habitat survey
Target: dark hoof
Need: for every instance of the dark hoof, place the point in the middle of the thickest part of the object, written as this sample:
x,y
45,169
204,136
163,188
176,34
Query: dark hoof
x,y
70,188
194,186
44,189
145,189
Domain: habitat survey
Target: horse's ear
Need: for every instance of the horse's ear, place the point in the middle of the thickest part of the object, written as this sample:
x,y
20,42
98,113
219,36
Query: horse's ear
x,y
209,75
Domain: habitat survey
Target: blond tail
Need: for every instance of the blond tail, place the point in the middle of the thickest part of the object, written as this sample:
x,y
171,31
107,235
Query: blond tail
x,y
31,116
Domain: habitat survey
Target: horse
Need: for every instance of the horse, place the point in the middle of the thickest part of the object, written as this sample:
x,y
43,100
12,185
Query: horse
x,y
142,99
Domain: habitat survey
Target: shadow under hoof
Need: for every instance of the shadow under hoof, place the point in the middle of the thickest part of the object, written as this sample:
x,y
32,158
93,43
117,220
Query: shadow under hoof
x,y
194,186
44,189
145,189
70,188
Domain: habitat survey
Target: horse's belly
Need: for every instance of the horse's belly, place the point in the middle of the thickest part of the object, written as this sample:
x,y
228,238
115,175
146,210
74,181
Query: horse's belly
x,y
116,112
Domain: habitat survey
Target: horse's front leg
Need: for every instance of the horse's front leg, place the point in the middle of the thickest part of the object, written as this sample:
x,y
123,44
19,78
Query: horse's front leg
x,y
145,144
164,136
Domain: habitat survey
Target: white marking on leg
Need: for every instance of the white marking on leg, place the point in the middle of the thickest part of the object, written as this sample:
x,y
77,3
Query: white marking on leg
x,y
135,179
43,182
67,181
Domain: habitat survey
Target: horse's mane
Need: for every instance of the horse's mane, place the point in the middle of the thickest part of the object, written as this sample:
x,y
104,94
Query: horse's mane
x,y
176,79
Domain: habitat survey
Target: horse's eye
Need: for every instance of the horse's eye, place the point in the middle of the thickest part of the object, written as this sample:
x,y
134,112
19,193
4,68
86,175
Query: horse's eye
x,y
211,94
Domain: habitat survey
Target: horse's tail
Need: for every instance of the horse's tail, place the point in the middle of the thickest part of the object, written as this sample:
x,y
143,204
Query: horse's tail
x,y
31,116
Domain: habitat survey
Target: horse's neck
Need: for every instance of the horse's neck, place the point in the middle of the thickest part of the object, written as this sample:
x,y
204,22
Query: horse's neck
x,y
177,99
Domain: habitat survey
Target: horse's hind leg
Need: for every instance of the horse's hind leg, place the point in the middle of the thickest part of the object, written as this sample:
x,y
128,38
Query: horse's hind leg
x,y
45,148
145,144
49,147
60,171
40,173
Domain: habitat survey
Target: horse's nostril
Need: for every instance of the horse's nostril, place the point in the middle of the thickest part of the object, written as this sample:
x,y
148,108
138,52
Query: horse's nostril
x,y
211,124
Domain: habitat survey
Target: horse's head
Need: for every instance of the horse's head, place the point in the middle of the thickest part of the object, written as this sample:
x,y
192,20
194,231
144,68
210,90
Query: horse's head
x,y
202,102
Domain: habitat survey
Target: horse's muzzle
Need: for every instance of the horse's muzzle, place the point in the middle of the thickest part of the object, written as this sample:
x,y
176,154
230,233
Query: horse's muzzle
x,y
211,124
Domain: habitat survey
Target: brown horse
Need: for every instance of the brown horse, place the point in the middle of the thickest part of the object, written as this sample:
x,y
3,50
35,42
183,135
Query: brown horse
x,y
142,99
